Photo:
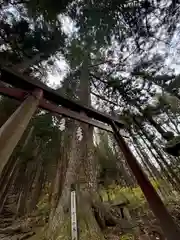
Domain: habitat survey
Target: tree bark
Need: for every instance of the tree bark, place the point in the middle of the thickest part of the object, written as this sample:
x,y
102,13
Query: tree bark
x,y
27,182
58,216
81,171
10,171
36,188
158,160
62,164
161,164
153,171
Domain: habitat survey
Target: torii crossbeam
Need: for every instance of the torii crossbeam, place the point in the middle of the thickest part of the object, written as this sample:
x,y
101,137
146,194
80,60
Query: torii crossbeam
x,y
28,84
35,94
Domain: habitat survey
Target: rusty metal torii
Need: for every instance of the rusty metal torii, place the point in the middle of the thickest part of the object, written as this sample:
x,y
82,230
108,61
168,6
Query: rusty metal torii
x,y
35,94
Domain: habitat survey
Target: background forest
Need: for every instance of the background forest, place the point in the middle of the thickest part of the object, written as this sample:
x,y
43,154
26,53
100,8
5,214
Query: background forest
x,y
121,58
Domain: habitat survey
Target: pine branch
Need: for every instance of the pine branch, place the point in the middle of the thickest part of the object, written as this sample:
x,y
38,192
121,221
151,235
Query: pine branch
x,y
98,78
100,63
104,99
19,2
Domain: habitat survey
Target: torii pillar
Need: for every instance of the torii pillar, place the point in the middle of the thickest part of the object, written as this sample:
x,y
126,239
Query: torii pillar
x,y
169,227
13,129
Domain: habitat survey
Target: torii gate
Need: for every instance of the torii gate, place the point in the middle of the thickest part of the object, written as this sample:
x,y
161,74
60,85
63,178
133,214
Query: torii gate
x,y
33,94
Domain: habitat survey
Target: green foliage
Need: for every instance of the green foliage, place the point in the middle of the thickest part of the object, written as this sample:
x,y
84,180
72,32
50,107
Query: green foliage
x,y
117,194
133,196
26,41
63,231
43,206
49,9
127,237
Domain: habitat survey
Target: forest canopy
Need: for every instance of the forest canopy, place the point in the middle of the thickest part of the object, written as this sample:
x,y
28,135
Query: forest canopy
x,y
121,58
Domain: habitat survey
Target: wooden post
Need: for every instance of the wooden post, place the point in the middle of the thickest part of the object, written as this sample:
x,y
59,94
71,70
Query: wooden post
x,y
168,225
13,129
74,232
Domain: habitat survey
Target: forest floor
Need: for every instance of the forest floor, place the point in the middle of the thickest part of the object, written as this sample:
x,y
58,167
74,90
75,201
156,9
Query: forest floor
x,y
141,225
19,228
31,227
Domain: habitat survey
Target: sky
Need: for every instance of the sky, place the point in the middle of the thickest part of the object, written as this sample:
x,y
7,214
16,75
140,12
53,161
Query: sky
x,y
69,28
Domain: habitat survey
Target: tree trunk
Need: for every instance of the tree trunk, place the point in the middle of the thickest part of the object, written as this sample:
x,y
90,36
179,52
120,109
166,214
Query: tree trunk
x,y
156,125
153,171
10,171
82,172
59,218
123,168
27,165
56,189
36,188
158,160
166,165
26,184
162,165
7,183
62,164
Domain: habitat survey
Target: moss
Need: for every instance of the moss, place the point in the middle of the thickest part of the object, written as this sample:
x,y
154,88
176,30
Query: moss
x,y
133,196
120,194
85,229
127,237
64,232
88,227
86,233
39,234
